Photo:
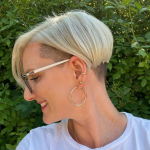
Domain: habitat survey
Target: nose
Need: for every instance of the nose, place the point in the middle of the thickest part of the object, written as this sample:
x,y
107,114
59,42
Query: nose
x,y
28,96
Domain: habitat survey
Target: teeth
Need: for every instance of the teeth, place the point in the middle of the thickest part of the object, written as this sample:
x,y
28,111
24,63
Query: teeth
x,y
43,104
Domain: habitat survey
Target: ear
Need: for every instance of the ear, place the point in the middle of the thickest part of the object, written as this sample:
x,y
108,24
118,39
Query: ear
x,y
80,69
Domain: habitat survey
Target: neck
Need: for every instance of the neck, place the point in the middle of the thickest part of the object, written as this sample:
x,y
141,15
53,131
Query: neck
x,y
92,128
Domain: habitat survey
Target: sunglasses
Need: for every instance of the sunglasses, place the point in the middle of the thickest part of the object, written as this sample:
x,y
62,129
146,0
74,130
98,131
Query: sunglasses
x,y
25,76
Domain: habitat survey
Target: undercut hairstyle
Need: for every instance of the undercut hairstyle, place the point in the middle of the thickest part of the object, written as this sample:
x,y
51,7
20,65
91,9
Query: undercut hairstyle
x,y
75,33
53,53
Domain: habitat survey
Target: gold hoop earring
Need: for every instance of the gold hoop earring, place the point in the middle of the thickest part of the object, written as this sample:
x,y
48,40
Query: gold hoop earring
x,y
84,98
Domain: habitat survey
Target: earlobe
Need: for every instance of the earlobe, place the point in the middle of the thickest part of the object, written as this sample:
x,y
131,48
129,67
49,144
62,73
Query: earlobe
x,y
82,80
79,67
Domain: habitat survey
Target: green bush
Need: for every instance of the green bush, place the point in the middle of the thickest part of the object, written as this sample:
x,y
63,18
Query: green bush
x,y
128,71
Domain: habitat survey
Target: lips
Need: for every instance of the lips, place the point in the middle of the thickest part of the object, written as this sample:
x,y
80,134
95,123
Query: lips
x,y
41,102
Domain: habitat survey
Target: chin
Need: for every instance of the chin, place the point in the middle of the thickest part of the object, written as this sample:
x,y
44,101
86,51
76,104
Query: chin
x,y
48,120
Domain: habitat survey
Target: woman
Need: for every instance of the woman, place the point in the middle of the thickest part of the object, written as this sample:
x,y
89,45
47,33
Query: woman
x,y
62,64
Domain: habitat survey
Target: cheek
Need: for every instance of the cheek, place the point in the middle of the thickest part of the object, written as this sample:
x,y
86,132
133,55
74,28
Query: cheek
x,y
58,91
58,84
55,87
52,89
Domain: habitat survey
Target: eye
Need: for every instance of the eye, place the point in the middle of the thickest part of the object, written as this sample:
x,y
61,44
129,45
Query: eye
x,y
34,79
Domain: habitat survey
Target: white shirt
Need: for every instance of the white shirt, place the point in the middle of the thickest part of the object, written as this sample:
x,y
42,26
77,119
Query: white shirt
x,y
56,137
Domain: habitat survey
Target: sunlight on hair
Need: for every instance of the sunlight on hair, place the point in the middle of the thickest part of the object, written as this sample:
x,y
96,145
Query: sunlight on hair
x,y
76,32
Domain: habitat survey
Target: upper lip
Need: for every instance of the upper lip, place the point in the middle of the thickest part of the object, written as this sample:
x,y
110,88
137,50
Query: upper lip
x,y
41,102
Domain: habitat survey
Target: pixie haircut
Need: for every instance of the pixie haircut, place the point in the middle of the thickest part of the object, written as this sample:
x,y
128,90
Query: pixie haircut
x,y
73,33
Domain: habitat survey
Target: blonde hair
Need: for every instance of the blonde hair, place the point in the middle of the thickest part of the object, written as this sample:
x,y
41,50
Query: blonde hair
x,y
76,32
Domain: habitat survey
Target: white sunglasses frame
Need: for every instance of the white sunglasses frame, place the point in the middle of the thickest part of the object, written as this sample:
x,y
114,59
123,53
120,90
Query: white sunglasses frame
x,y
46,67
25,76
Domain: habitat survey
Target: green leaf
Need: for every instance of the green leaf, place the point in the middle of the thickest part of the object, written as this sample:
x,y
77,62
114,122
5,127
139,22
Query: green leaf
x,y
10,128
141,64
146,46
7,92
8,42
147,77
81,4
87,1
32,119
124,62
109,7
133,9
139,6
90,8
24,123
117,75
147,65
113,60
109,66
125,92
116,1
21,107
141,77
147,35
2,106
23,129
4,116
142,53
13,114
143,82
125,2
3,28
112,20
142,10
4,131
135,112
1,120
10,147
4,20
111,3
140,102
140,39
145,107
1,53
118,50
148,40
122,7
10,14
120,21
145,111
66,2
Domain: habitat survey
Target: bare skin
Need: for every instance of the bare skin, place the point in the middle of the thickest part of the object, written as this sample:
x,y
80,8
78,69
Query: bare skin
x,y
93,119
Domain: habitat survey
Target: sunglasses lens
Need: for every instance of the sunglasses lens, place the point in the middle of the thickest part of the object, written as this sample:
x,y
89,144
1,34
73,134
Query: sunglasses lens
x,y
27,84
25,79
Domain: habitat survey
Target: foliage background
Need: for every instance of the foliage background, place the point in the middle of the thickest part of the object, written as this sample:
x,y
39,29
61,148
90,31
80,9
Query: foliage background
x,y
128,80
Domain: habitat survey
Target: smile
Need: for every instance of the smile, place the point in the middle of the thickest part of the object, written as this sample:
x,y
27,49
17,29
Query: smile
x,y
43,104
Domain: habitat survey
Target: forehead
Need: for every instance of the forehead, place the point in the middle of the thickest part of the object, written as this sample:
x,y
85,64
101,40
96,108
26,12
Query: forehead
x,y
31,58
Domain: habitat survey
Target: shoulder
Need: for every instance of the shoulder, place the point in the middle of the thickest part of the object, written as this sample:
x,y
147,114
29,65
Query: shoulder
x,y
137,121
143,123
41,136
139,125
